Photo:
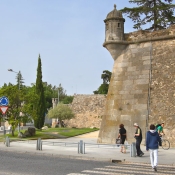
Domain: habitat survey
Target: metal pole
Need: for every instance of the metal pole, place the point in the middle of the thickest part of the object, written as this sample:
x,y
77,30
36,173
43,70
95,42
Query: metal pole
x,y
19,90
58,95
4,124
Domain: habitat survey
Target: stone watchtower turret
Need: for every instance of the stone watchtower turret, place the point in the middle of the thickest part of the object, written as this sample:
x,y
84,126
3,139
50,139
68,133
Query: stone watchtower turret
x,y
114,26
127,98
114,33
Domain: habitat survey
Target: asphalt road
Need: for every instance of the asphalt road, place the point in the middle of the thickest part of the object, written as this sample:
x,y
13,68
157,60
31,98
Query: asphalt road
x,y
12,163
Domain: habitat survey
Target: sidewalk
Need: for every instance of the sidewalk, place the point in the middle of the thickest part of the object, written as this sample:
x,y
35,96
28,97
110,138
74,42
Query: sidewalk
x,y
92,152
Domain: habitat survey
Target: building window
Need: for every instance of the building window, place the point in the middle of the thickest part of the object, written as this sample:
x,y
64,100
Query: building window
x,y
118,25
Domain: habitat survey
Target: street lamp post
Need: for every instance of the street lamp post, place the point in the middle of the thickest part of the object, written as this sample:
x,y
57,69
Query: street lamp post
x,y
18,73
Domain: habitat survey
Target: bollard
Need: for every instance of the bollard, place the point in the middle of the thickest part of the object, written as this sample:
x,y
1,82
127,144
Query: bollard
x,y
81,147
78,148
7,142
39,144
133,150
84,149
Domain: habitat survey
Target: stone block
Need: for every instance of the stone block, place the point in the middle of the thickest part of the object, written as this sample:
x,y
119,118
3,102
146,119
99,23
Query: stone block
x,y
132,68
124,64
134,50
146,57
148,44
125,117
130,101
124,97
128,82
133,77
128,88
146,62
136,92
140,68
124,92
142,87
137,72
140,106
143,95
145,76
141,81
117,97
132,46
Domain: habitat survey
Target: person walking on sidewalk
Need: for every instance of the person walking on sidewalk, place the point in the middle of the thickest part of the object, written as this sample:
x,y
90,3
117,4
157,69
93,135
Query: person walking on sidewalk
x,y
138,137
122,136
152,144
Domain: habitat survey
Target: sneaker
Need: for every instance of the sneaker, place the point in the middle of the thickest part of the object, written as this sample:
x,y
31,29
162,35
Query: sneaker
x,y
155,168
141,154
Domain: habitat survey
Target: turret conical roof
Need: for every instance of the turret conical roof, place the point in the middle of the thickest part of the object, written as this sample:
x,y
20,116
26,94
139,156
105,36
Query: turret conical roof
x,y
114,13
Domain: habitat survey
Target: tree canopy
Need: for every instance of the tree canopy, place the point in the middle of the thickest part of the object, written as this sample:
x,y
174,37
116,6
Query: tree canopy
x,y
40,105
103,89
62,112
158,12
18,111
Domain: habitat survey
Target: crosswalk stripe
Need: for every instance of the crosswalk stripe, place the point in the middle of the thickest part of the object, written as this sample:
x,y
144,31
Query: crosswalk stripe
x,y
137,163
165,169
77,174
123,171
107,173
131,168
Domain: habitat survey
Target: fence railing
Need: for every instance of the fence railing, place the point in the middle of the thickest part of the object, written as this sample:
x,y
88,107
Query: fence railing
x,y
81,146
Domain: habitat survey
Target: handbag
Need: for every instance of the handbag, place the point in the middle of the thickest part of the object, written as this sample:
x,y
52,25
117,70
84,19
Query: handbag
x,y
118,141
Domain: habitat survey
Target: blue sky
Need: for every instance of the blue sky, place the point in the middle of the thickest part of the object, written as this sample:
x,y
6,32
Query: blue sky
x,y
67,34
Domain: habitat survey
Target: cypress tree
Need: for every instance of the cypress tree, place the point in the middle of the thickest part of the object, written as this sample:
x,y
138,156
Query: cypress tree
x,y
40,107
159,12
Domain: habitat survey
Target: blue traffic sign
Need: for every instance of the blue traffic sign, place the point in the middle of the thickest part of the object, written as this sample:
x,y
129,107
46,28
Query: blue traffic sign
x,y
4,101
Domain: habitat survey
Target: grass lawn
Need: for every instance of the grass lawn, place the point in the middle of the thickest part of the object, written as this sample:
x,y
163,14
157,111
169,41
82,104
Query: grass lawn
x,y
52,133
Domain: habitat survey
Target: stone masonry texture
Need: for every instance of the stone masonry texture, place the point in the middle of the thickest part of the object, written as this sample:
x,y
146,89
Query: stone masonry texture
x,y
142,86
88,110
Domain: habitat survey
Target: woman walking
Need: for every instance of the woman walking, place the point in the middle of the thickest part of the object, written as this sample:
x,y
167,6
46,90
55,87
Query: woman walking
x,y
122,136
152,142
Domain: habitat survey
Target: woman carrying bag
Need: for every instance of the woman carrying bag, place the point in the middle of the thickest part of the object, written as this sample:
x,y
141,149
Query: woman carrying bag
x,y
122,136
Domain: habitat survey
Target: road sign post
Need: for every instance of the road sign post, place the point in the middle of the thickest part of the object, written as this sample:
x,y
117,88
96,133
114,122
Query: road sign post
x,y
4,101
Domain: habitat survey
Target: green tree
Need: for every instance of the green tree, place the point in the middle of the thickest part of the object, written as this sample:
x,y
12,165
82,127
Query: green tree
x,y
103,89
159,12
106,76
67,99
16,112
40,106
19,80
52,92
61,112
62,92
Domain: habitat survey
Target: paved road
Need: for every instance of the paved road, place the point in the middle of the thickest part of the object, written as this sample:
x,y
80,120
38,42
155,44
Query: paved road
x,y
22,158
13,163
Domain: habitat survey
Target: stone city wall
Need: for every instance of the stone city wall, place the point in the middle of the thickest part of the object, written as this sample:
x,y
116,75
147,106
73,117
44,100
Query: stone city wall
x,y
88,110
142,87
